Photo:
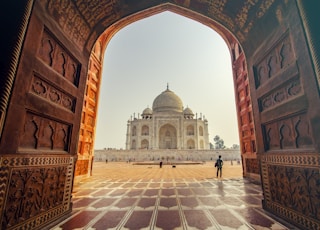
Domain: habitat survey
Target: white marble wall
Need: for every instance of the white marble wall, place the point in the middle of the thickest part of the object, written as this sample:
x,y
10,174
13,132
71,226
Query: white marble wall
x,y
172,155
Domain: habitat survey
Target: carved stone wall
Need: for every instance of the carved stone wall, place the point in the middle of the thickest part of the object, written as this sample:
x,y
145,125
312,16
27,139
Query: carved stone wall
x,y
252,165
37,151
34,190
243,100
284,88
58,58
89,111
289,133
46,76
291,185
43,133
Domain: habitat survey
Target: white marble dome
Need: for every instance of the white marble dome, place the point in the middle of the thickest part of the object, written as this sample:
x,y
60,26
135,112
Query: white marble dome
x,y
188,111
167,101
147,111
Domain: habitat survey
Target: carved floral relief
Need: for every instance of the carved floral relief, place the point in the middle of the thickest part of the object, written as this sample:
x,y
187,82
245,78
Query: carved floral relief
x,y
252,165
38,189
32,191
51,93
296,188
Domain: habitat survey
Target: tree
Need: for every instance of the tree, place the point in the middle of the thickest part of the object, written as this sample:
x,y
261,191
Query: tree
x,y
235,146
218,142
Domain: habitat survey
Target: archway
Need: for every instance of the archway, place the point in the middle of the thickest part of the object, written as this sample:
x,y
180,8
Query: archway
x,y
243,98
190,144
276,86
145,130
190,130
144,144
167,137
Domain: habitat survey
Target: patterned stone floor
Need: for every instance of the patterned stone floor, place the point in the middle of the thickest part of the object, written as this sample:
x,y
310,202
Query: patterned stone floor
x,y
127,196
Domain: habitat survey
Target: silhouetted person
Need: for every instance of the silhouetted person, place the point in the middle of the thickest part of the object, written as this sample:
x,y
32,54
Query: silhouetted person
x,y
160,164
218,165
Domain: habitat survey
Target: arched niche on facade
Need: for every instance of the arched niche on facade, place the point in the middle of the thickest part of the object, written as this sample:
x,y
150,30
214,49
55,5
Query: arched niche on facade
x,y
167,137
145,130
144,144
201,144
190,130
200,131
134,131
134,144
191,144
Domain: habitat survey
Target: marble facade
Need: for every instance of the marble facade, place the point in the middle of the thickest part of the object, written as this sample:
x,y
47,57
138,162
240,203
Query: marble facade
x,y
167,126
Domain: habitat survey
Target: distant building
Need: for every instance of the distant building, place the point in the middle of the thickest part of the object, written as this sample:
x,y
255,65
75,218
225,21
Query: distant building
x,y
167,126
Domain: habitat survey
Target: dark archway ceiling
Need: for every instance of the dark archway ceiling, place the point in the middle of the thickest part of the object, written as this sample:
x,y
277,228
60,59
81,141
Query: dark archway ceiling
x,y
83,20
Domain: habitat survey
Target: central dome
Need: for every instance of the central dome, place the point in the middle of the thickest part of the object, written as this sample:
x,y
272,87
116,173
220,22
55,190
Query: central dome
x,y
167,101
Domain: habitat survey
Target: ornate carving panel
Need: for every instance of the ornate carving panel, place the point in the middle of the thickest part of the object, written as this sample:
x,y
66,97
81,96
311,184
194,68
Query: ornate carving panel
x,y
93,11
282,94
278,58
289,133
70,20
34,190
292,187
252,165
43,133
78,18
238,16
59,58
51,93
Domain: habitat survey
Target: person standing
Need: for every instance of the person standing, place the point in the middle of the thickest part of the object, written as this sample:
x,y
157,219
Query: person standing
x,y
218,165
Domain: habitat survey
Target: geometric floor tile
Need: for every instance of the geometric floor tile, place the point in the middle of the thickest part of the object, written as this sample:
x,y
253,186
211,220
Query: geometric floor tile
x,y
127,196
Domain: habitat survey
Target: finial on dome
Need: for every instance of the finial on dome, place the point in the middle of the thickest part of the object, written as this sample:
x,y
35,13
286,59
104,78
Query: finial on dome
x,y
167,86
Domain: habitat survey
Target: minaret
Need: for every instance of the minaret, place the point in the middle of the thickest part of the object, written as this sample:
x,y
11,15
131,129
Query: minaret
x,y
128,141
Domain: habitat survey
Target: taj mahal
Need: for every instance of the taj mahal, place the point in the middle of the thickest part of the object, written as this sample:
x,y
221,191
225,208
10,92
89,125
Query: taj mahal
x,y
167,126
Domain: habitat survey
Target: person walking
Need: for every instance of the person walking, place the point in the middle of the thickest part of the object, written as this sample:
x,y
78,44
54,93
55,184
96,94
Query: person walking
x,y
218,165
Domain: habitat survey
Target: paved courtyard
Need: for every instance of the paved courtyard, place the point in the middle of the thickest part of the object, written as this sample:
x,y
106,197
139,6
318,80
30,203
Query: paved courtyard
x,y
128,196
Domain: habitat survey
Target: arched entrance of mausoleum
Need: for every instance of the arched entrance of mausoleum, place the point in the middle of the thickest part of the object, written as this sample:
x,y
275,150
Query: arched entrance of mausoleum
x,y
48,62
168,137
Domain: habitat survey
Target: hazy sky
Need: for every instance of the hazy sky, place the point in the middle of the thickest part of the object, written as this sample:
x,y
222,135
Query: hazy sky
x,y
166,48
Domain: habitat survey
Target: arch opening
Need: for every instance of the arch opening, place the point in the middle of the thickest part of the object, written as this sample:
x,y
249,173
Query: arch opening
x,y
45,72
234,47
228,38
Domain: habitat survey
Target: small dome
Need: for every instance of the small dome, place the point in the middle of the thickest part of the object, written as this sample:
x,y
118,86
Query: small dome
x,y
147,111
167,101
188,111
